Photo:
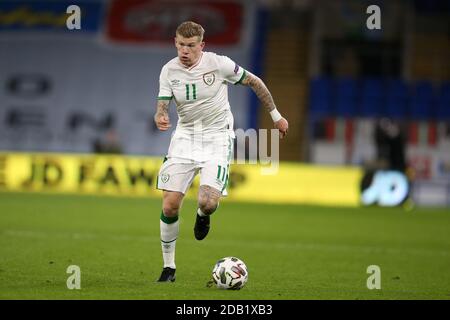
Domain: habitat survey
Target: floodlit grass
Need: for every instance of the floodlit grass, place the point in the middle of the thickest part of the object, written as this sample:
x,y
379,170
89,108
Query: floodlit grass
x,y
292,252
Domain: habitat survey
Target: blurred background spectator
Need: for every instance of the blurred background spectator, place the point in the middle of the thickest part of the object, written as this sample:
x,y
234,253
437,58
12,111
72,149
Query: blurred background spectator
x,y
108,143
390,145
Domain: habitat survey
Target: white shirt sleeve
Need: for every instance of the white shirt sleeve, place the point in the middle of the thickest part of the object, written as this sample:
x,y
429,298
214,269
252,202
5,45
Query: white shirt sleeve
x,y
230,70
165,91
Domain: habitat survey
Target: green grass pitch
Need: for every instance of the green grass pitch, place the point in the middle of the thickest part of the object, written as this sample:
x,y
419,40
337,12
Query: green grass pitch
x,y
292,252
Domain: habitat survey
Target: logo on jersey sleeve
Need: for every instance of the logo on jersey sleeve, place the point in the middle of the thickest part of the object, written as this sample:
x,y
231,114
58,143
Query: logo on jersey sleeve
x,y
209,78
236,68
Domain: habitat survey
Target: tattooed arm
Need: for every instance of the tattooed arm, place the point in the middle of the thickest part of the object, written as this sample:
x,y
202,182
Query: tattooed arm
x,y
266,99
260,89
162,120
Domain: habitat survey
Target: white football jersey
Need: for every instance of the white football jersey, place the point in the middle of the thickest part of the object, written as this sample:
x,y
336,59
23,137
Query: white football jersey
x,y
200,93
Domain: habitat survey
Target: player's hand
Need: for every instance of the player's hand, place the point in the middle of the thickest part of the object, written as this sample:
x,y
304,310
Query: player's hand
x,y
162,122
282,125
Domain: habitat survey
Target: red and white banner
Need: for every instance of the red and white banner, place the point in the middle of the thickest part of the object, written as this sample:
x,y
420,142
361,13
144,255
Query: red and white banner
x,y
154,22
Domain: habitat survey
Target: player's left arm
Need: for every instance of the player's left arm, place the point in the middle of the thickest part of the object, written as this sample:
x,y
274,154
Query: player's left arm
x,y
264,95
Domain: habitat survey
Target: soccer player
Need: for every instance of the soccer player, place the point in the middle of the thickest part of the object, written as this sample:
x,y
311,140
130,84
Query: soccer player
x,y
202,142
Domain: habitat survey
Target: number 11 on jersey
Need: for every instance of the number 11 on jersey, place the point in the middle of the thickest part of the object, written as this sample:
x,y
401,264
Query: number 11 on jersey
x,y
222,170
194,91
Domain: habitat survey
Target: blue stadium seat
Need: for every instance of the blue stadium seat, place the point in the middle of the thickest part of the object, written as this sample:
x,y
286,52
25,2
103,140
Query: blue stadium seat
x,y
422,101
372,97
320,97
397,98
443,104
345,97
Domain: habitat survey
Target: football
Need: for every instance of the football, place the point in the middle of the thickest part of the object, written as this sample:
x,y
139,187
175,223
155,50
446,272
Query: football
x,y
230,273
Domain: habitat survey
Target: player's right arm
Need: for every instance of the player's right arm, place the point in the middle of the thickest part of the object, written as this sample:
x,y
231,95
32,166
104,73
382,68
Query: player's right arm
x,y
162,119
165,94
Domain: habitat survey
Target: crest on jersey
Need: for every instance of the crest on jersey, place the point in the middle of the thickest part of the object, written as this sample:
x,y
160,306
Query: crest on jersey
x,y
209,78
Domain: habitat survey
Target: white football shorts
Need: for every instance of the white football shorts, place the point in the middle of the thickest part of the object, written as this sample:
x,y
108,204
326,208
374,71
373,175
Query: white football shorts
x,y
212,163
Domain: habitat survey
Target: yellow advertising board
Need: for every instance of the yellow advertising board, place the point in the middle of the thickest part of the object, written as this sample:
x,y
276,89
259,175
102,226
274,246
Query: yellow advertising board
x,y
297,183
136,176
